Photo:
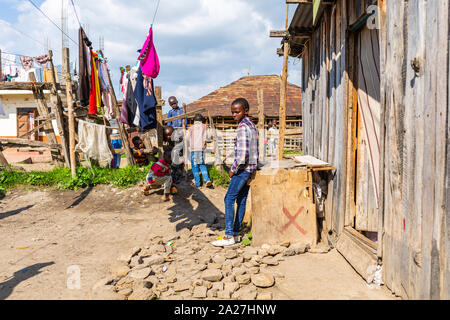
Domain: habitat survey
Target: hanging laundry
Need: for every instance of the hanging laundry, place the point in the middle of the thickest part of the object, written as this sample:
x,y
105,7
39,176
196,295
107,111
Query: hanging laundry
x,y
94,97
149,57
133,78
84,82
107,96
24,75
10,69
93,141
116,143
42,60
124,113
26,62
147,104
131,103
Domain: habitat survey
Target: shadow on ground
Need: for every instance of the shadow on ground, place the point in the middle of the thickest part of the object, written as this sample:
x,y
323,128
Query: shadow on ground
x,y
5,215
7,287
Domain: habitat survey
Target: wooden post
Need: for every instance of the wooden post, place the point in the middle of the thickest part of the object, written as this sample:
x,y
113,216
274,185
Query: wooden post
x,y
42,108
58,111
261,126
283,92
159,126
123,133
73,163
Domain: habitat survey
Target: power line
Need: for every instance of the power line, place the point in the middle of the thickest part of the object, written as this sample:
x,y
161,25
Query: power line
x,y
76,14
156,11
34,5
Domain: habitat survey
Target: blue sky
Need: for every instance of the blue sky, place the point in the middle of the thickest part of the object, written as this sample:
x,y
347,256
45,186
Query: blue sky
x,y
202,44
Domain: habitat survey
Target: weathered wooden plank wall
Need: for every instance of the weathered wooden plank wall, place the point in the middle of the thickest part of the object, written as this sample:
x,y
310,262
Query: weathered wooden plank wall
x,y
416,91
324,109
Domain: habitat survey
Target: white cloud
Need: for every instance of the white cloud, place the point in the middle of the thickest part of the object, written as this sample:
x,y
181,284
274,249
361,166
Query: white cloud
x,y
202,44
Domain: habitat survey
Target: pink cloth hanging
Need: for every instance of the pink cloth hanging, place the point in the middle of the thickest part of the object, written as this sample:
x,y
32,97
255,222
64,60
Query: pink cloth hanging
x,y
149,58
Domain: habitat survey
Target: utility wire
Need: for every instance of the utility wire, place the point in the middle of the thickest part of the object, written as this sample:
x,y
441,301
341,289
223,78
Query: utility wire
x,y
156,11
34,5
76,14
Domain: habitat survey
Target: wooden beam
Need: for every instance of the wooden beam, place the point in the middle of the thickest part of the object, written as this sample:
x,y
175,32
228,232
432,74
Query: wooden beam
x,y
29,86
185,115
283,94
57,107
3,160
35,129
298,1
73,162
30,143
261,123
278,33
159,122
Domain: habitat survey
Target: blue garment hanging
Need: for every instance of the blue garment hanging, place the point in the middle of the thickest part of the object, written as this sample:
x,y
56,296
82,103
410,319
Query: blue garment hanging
x,y
147,104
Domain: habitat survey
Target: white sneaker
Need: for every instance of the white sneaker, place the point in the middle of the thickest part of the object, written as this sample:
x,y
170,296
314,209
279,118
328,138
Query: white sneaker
x,y
223,242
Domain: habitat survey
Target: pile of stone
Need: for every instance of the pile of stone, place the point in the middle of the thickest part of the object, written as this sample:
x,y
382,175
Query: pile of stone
x,y
186,266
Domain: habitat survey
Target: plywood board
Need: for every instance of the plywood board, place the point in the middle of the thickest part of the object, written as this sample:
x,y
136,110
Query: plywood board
x,y
283,208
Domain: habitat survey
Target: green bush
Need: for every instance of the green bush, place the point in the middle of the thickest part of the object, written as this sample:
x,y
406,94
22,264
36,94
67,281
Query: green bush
x,y
218,178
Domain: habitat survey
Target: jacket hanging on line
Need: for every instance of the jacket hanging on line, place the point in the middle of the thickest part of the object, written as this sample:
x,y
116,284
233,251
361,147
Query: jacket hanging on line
x,y
83,73
95,100
147,103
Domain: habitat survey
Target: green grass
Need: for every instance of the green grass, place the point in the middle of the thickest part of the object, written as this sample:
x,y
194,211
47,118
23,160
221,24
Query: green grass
x,y
61,178
218,178
295,152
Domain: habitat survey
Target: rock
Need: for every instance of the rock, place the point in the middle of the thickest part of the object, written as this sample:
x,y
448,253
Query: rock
x,y
247,256
253,270
270,261
227,270
124,283
139,273
161,287
285,244
225,294
243,279
169,249
125,258
211,294
135,251
263,253
248,265
197,283
125,292
265,296
136,260
119,271
199,229
237,261
153,260
208,284
251,251
248,295
182,286
320,249
230,254
214,266
265,246
218,286
296,248
230,278
103,282
212,275
138,284
256,259
274,250
184,234
218,259
239,271
231,286
263,280
171,237
142,294
200,292
205,259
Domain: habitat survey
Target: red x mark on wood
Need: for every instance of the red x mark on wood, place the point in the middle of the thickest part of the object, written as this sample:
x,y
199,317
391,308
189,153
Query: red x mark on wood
x,y
292,220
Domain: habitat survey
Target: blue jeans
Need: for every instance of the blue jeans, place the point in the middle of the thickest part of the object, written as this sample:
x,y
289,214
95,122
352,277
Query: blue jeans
x,y
195,169
237,192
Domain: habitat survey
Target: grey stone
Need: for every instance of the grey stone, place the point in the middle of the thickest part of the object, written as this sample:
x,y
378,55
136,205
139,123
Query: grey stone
x,y
184,234
139,273
124,283
263,280
211,294
218,286
243,279
199,229
136,260
253,270
237,261
239,271
230,278
263,253
182,286
265,246
270,261
285,244
231,286
200,292
125,292
230,254
214,266
247,294
274,250
320,249
153,260
212,275
119,271
218,259
296,248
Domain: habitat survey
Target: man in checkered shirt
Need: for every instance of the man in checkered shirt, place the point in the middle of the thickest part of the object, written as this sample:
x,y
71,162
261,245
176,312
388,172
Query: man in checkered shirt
x,y
244,165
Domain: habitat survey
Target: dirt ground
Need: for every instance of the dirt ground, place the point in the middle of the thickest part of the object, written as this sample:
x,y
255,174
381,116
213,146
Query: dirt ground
x,y
45,231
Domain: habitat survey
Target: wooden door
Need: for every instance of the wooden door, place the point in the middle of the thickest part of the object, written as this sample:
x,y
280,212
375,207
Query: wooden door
x,y
26,121
367,131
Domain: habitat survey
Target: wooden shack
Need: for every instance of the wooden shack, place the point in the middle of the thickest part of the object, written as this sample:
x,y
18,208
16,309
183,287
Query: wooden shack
x,y
375,104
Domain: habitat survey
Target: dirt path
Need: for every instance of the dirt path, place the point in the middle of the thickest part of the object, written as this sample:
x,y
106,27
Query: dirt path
x,y
44,232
